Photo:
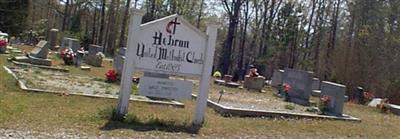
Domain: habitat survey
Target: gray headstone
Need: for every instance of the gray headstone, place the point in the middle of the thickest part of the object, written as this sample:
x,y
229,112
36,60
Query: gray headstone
x,y
336,92
94,49
41,50
118,63
53,38
74,44
65,43
300,82
94,60
316,85
277,77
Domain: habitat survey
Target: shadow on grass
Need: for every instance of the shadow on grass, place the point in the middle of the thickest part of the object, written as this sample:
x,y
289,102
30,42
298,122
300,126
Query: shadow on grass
x,y
132,122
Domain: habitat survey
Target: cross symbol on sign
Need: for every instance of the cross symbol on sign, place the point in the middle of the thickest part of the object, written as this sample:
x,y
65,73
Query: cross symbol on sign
x,y
174,23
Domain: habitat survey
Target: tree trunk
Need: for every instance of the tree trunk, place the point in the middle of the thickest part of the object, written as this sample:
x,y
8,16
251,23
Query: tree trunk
x,y
200,12
100,39
233,20
66,16
122,42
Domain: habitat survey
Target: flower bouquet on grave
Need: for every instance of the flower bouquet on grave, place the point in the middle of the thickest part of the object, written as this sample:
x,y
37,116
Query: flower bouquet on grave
x,y
3,45
68,56
286,89
323,103
111,76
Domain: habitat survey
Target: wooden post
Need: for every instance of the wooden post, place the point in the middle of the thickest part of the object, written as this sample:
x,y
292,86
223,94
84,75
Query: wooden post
x,y
201,103
129,68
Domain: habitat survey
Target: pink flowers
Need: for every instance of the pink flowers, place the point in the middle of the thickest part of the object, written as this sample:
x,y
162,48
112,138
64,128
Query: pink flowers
x,y
111,76
286,87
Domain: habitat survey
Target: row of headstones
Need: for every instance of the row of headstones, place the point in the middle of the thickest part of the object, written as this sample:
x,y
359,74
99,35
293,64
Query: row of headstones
x,y
91,57
302,84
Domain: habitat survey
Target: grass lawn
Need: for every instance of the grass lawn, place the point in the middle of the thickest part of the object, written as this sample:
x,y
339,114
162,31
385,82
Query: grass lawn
x,y
50,113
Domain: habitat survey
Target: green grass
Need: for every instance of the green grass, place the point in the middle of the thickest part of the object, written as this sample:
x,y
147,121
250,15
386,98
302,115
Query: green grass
x,y
50,112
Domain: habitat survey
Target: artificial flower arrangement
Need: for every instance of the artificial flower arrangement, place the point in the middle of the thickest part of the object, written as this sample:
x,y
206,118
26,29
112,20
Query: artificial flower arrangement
x,y
3,45
286,89
68,56
323,103
111,76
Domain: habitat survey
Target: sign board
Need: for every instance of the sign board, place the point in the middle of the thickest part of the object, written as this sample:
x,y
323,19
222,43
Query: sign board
x,y
165,88
170,45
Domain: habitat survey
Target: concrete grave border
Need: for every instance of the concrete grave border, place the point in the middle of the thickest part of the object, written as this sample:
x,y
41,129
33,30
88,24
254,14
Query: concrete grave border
x,y
25,88
240,112
40,66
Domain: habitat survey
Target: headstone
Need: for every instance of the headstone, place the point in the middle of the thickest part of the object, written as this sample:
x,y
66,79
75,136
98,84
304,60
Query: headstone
x,y
95,60
39,61
94,49
118,62
53,38
41,50
316,85
79,57
336,92
75,44
277,78
300,82
65,43
256,83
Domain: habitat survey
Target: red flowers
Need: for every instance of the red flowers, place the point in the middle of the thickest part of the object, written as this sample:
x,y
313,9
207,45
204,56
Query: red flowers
x,y
111,76
286,87
3,43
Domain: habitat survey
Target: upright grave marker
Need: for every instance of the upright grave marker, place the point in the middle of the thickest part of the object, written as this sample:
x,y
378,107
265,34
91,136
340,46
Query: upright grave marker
x,y
336,94
170,45
300,82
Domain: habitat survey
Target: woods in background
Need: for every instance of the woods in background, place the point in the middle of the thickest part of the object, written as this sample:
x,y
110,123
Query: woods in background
x,y
353,42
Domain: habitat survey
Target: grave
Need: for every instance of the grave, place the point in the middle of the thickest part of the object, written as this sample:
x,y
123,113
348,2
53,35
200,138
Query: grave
x,y
53,38
336,92
37,56
316,84
300,82
74,44
95,56
118,61
277,78
256,83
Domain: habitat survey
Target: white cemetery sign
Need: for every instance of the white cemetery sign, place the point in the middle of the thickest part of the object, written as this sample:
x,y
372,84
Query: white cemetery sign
x,y
169,45
164,88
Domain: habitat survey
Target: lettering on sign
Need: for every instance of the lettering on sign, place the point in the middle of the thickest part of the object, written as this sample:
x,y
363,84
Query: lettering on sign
x,y
171,47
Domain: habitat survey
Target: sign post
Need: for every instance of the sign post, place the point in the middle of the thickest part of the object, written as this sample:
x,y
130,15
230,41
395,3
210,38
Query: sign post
x,y
128,69
201,103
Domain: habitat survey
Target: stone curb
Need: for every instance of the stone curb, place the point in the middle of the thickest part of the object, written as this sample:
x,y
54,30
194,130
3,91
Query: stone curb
x,y
229,111
25,88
